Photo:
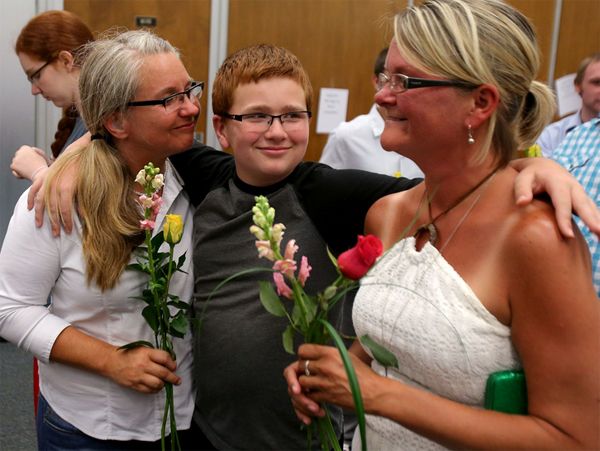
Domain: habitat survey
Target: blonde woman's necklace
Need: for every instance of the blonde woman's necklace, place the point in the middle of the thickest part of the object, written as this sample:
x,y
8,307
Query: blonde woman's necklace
x,y
430,229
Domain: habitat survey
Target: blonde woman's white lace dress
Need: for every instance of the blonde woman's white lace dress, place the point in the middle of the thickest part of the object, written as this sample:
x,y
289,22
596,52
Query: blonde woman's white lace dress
x,y
446,342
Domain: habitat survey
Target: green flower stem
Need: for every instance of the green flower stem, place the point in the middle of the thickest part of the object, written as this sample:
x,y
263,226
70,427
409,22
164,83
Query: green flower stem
x,y
352,382
152,273
162,339
169,411
298,291
167,345
329,439
163,426
165,314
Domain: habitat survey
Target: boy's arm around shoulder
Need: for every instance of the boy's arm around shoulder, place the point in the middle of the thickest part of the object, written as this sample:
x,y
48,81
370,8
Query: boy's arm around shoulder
x,y
337,200
202,168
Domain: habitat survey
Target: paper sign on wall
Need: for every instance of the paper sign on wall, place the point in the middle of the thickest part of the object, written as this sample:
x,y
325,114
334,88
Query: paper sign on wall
x,y
566,96
333,104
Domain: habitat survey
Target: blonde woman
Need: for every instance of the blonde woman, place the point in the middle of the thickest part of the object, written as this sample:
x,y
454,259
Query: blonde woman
x,y
470,285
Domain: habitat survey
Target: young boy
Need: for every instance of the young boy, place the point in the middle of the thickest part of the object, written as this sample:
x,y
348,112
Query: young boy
x,y
262,100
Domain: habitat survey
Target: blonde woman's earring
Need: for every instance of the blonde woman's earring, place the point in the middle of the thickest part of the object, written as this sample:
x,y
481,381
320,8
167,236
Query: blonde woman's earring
x,y
470,138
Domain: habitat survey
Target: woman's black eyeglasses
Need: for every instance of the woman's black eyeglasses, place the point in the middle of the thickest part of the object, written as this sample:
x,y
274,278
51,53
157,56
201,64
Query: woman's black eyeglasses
x,y
174,101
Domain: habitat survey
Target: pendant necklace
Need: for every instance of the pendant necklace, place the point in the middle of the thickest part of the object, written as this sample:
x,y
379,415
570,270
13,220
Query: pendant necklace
x,y
430,229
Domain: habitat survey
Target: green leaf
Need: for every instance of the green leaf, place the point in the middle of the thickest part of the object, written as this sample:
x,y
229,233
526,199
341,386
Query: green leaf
x,y
149,314
179,324
345,288
311,307
164,269
147,297
178,303
333,260
270,300
181,261
288,339
136,344
296,318
160,256
382,355
158,240
157,287
138,267
329,440
352,380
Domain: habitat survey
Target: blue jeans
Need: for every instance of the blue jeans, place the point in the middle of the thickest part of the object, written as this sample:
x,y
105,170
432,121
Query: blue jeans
x,y
56,434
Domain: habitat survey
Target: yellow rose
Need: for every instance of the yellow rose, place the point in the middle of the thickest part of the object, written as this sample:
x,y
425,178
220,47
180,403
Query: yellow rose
x,y
173,229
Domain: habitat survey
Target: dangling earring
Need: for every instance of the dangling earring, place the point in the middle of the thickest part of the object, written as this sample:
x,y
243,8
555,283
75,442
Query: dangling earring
x,y
470,138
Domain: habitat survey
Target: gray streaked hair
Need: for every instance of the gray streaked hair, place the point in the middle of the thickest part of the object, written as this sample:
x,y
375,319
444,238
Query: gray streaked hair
x,y
110,75
109,213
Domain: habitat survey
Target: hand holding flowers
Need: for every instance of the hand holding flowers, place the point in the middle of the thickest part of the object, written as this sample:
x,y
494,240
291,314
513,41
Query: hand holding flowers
x,y
307,314
166,314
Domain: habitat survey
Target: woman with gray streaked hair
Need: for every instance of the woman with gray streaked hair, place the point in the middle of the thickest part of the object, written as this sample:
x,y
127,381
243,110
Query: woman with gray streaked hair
x,y
140,105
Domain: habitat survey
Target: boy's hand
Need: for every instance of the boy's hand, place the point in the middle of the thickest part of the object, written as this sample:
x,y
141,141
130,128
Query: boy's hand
x,y
60,201
60,194
27,162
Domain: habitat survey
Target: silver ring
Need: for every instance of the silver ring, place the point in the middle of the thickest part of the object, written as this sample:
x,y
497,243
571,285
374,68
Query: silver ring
x,y
306,370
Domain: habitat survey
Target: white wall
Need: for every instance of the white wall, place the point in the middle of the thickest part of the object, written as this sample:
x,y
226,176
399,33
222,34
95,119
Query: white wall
x,y
23,118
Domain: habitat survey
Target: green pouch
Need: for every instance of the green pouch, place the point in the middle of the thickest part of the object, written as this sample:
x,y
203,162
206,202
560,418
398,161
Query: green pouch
x,y
505,391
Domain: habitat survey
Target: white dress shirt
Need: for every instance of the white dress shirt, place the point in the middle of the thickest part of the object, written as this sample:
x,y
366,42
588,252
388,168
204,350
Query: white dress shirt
x,y
34,264
554,133
356,145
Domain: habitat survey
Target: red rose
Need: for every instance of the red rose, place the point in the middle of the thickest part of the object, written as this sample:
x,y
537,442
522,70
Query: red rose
x,y
355,262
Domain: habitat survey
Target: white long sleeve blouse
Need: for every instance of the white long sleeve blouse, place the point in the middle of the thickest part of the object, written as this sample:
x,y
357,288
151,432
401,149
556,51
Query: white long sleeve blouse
x,y
34,264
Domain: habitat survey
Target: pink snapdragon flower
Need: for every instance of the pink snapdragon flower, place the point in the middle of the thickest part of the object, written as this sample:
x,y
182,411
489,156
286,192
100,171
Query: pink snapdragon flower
x,y
145,201
304,272
286,266
290,250
147,224
157,202
282,287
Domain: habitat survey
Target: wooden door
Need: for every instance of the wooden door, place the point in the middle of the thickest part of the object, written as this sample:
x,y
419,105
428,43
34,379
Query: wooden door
x,y
184,23
336,40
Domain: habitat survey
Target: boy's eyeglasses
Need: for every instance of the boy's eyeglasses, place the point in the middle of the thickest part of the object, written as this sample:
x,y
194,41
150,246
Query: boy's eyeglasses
x,y
175,101
261,122
399,82
34,78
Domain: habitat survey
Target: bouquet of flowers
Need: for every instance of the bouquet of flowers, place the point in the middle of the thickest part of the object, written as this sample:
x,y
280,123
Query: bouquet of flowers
x,y
307,314
166,314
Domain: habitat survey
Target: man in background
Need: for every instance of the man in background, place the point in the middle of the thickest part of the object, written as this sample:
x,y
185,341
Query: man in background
x,y
579,153
355,144
587,85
